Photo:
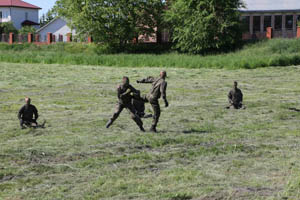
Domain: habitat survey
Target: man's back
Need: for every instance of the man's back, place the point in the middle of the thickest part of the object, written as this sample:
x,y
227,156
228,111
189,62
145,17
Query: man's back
x,y
27,112
236,96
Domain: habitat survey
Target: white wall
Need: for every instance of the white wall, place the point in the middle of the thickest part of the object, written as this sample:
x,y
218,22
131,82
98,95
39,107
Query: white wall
x,y
5,14
18,16
57,27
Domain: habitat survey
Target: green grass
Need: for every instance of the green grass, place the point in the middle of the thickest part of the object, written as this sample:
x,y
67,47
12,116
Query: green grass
x,y
276,52
202,151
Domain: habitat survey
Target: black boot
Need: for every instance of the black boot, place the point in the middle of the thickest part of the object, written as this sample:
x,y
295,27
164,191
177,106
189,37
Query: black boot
x,y
142,129
109,123
153,129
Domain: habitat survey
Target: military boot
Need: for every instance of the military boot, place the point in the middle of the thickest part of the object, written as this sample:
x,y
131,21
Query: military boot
x,y
142,129
109,123
153,129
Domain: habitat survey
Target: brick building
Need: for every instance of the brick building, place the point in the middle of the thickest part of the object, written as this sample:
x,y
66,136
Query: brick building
x,y
281,15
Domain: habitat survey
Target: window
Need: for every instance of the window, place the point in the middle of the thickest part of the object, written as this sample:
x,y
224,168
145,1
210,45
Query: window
x,y
267,22
256,23
289,22
246,24
278,22
1,15
26,16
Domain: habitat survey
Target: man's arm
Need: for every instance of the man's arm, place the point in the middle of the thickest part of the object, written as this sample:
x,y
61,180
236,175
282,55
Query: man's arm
x,y
242,97
163,91
230,97
20,114
149,79
36,113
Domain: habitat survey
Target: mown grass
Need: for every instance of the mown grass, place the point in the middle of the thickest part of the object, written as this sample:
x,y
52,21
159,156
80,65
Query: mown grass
x,y
202,151
276,52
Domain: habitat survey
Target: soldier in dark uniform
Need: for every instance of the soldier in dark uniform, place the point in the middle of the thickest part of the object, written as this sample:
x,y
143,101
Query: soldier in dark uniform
x,y
159,87
125,96
235,97
26,114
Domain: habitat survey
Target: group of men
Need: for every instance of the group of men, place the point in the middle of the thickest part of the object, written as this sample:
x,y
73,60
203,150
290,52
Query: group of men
x,y
129,98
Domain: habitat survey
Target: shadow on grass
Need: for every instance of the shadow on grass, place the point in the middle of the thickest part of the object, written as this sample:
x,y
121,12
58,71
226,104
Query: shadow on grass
x,y
196,131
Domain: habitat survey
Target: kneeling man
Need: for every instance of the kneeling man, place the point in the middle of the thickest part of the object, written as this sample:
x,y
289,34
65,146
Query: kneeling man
x,y
26,114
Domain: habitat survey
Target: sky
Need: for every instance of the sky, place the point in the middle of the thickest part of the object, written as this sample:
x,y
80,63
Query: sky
x,y
44,4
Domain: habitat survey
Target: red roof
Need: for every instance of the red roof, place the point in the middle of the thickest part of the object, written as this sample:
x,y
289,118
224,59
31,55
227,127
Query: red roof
x,y
17,3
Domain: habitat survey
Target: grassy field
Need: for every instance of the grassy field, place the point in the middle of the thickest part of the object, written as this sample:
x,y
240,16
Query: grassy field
x,y
202,151
276,52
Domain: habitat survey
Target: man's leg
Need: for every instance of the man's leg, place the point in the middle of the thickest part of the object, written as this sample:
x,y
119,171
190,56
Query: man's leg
x,y
135,117
119,109
156,115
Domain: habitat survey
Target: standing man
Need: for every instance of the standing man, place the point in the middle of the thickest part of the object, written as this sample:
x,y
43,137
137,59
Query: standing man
x,y
159,87
125,101
26,114
235,97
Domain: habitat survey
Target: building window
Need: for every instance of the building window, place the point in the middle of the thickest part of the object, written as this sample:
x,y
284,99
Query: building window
x,y
26,16
256,23
1,15
278,22
246,24
267,22
289,22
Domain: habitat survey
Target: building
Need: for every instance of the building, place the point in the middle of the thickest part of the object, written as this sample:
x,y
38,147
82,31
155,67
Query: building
x,y
281,15
58,27
19,13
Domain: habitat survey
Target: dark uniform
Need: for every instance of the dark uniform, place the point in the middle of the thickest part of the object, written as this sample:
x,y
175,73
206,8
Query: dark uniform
x,y
26,114
139,107
235,98
125,101
159,87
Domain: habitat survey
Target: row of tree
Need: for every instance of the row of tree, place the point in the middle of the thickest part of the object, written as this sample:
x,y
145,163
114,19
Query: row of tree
x,y
196,26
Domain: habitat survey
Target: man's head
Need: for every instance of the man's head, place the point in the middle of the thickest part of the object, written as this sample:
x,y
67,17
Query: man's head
x,y
125,80
235,84
27,101
163,74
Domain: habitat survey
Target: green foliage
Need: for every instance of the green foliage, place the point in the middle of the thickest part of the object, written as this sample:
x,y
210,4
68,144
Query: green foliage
x,y
202,26
27,29
113,22
7,27
277,52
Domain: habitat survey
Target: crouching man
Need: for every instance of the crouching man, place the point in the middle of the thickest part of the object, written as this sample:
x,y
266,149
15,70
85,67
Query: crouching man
x,y
28,115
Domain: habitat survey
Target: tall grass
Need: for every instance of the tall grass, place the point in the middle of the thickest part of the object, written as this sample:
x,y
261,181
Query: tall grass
x,y
277,52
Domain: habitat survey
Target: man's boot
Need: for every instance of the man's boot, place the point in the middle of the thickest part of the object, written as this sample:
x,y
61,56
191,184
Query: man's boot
x,y
153,129
109,123
142,129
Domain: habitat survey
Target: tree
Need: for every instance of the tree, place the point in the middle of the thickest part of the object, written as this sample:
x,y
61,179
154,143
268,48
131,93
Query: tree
x,y
201,26
7,27
114,22
27,29
48,17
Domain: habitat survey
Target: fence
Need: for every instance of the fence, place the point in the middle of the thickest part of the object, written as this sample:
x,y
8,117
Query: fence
x,y
50,38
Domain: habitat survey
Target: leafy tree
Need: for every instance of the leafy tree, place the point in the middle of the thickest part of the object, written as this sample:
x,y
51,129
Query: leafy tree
x,y
48,17
27,29
114,22
7,27
201,26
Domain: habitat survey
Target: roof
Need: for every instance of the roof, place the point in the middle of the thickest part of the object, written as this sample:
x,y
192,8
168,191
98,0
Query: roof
x,y
17,3
29,23
51,22
270,5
